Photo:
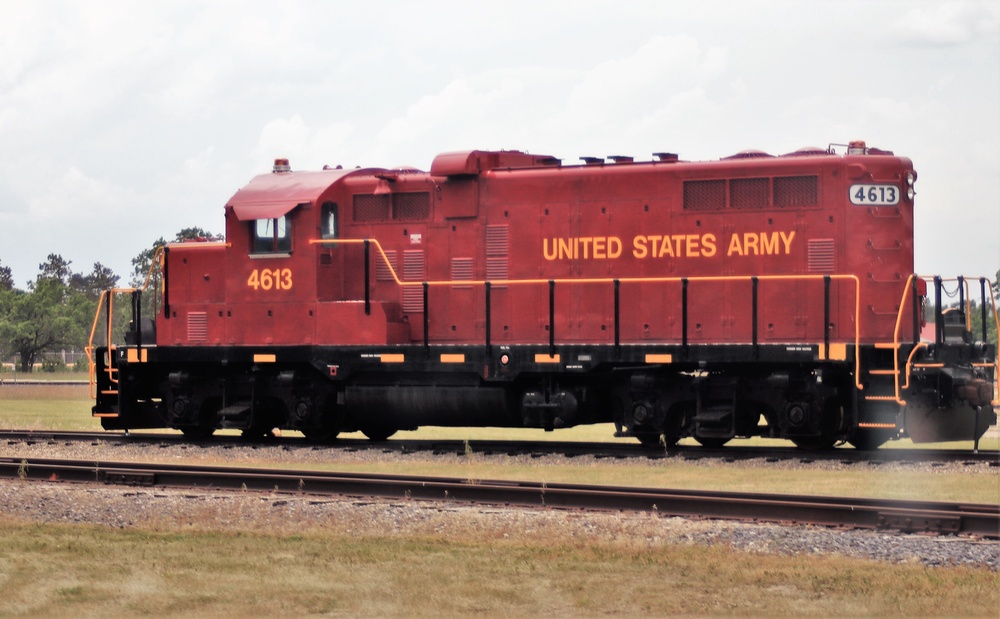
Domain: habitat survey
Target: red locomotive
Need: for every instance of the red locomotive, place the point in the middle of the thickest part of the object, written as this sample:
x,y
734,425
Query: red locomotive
x,y
754,295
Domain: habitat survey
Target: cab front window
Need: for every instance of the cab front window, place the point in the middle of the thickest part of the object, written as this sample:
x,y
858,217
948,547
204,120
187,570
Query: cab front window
x,y
272,236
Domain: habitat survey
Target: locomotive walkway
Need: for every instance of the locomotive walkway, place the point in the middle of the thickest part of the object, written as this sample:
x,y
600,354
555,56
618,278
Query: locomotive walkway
x,y
978,520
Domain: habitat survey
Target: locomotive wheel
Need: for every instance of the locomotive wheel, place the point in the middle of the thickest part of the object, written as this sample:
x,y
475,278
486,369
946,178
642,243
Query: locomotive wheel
x,y
868,440
321,435
378,435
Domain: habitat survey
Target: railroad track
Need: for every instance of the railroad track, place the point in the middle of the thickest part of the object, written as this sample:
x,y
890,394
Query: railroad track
x,y
907,516
566,448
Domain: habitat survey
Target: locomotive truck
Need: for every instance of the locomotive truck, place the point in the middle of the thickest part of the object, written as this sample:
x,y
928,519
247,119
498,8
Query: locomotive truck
x,y
755,295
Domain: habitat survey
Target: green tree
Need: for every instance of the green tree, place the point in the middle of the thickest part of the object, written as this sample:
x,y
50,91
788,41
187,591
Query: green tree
x,y
56,310
141,264
36,320
6,279
92,285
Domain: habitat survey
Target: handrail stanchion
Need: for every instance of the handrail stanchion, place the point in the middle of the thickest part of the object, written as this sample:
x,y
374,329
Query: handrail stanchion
x,y
684,316
826,317
618,331
368,298
552,318
427,323
489,288
756,344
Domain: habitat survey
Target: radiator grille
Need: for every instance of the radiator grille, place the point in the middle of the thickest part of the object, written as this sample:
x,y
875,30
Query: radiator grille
x,y
704,195
498,253
197,324
822,254
796,191
410,206
461,269
413,271
745,193
371,207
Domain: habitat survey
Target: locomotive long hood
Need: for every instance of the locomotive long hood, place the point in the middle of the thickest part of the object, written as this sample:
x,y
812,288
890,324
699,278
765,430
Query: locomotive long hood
x,y
269,196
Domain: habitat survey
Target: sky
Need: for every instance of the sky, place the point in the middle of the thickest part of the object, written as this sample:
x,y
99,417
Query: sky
x,y
123,122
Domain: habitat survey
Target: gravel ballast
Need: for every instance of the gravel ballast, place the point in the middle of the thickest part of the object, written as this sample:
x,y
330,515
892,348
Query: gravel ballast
x,y
120,507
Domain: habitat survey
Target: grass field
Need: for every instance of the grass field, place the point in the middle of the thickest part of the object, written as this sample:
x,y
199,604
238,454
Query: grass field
x,y
184,568
82,570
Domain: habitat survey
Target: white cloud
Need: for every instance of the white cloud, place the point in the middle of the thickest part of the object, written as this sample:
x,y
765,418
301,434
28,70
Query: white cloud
x,y
948,23
126,121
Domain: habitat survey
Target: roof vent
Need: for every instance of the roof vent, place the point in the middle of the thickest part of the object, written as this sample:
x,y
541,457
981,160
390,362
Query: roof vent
x,y
749,154
281,165
668,157
592,160
808,151
621,158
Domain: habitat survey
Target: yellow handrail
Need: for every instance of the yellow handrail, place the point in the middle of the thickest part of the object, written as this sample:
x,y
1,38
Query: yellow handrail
x,y
609,280
967,310
109,295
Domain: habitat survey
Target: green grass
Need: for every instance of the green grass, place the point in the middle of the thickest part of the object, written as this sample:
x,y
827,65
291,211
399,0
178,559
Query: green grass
x,y
176,565
82,570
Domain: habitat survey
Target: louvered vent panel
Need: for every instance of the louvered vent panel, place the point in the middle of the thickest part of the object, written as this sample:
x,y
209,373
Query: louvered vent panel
x,y
704,195
497,269
413,271
498,253
497,240
371,207
411,206
747,193
197,324
822,254
796,191
461,269
382,271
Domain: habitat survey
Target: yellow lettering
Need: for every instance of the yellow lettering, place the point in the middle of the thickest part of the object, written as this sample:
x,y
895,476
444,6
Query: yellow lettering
x,y
566,249
639,249
600,248
787,240
266,279
545,250
691,246
666,248
614,247
677,240
750,239
734,246
708,245
768,243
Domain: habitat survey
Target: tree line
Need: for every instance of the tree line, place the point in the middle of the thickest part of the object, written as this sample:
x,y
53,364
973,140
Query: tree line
x,y
55,311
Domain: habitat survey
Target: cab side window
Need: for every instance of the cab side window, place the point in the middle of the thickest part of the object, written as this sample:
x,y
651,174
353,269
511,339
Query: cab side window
x,y
330,223
272,236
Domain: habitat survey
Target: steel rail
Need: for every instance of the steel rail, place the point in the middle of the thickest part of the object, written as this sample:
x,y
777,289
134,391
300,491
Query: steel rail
x,y
908,516
610,449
